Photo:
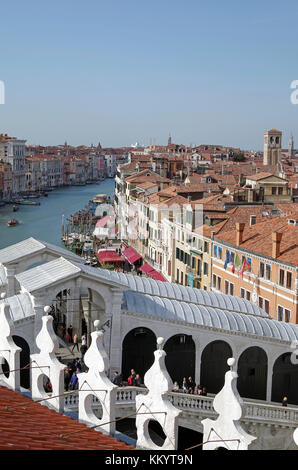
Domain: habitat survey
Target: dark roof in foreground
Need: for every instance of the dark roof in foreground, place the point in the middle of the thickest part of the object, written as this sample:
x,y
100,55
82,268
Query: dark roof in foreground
x,y
28,425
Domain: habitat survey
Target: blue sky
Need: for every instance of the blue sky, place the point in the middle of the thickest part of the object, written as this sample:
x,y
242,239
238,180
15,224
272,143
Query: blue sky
x,y
117,72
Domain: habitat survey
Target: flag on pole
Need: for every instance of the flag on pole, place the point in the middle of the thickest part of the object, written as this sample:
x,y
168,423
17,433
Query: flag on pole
x,y
244,267
228,259
237,261
233,268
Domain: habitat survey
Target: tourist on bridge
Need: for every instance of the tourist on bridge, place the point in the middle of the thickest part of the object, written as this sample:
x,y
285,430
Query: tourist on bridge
x,y
198,390
184,385
69,332
191,385
175,387
131,380
67,377
138,380
117,379
75,342
74,381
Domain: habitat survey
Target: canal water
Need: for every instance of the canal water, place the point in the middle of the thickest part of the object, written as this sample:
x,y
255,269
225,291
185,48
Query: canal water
x,y
44,222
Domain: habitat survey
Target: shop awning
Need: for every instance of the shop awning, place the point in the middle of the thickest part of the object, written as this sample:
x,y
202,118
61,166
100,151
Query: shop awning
x,y
146,268
109,256
157,276
131,255
106,221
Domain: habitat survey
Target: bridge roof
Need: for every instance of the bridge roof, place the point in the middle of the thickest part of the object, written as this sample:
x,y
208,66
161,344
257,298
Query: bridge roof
x,y
215,317
31,246
187,294
3,279
20,306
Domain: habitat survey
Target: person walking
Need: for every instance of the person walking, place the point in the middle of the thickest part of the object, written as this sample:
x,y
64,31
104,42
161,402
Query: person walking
x,y
75,342
69,332
83,346
67,377
74,381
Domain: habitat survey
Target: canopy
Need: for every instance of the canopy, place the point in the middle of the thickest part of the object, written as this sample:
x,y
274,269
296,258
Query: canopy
x,y
131,255
146,268
157,276
107,220
109,256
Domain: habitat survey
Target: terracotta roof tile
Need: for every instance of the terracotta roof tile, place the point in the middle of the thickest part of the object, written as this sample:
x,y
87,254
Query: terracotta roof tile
x,y
36,427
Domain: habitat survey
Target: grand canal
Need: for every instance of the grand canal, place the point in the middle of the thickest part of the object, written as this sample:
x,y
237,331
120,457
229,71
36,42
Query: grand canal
x,y
44,222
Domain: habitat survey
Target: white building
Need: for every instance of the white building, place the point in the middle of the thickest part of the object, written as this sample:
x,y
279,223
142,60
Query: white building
x,y
13,152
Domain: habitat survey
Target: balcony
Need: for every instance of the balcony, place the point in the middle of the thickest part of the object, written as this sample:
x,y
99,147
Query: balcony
x,y
193,271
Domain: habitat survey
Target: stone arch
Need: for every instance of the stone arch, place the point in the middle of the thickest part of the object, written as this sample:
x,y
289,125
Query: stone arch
x,y
138,347
252,372
181,357
214,365
24,361
285,379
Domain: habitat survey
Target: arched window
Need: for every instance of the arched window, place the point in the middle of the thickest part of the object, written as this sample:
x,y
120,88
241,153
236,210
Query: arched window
x,y
252,372
285,380
137,351
181,357
24,361
214,365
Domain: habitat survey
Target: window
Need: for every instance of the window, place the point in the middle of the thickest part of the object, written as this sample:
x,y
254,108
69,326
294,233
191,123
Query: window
x,y
274,190
247,295
289,280
261,270
181,277
280,190
287,315
214,280
177,280
205,269
281,277
261,302
231,288
268,272
226,287
242,293
206,248
267,306
280,312
220,253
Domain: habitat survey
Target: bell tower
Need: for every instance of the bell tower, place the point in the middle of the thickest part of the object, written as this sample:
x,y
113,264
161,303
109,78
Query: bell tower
x,y
291,146
272,147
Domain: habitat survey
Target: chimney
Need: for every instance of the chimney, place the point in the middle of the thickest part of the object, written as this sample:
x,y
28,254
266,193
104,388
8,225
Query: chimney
x,y
276,240
239,233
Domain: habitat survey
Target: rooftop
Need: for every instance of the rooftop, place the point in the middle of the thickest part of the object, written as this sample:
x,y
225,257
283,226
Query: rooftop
x,y
28,425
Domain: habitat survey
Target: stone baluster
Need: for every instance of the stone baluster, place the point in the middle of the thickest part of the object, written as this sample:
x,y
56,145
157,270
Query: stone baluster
x,y
9,351
96,383
45,363
226,429
156,405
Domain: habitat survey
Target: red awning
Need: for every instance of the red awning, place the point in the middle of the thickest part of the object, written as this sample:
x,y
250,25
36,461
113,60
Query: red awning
x,y
131,255
109,256
105,221
157,276
146,268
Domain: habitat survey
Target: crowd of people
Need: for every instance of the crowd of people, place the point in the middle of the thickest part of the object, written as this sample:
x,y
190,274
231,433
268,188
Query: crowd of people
x,y
133,380
189,386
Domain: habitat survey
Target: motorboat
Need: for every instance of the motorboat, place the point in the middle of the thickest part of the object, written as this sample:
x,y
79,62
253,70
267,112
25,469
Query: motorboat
x,y
12,222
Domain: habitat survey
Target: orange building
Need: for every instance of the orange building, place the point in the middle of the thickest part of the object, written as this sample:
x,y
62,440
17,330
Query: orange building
x,y
270,274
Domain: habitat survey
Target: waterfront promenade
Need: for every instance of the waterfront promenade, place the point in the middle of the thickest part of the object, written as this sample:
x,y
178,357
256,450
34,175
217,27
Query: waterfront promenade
x,y
44,222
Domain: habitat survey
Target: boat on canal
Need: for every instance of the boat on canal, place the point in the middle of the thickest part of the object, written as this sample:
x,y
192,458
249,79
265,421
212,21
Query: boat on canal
x,y
12,222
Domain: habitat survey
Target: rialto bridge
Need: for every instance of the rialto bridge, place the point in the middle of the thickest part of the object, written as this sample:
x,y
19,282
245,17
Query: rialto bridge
x,y
201,329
